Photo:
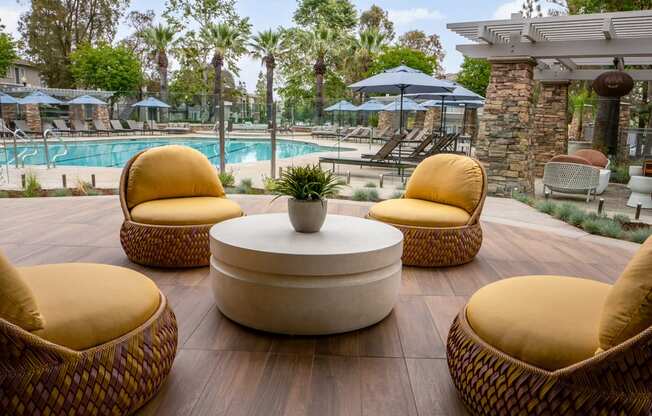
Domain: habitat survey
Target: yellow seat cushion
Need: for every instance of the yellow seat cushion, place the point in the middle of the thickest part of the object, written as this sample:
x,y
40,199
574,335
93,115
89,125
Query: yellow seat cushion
x,y
628,309
550,322
448,179
185,211
17,302
90,304
171,172
419,213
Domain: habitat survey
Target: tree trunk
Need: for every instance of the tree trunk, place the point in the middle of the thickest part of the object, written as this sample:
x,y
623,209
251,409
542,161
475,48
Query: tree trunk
x,y
320,70
218,61
605,128
269,63
163,74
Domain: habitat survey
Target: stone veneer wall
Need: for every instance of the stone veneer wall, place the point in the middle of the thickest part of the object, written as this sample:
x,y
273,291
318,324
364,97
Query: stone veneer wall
x,y
76,112
387,119
550,133
101,112
33,118
505,139
8,112
433,119
419,120
471,123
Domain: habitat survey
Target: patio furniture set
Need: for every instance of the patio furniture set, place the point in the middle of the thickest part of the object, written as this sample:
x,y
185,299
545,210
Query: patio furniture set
x,y
86,338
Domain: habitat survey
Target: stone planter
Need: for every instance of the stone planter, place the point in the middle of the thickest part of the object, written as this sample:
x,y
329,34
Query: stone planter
x,y
307,216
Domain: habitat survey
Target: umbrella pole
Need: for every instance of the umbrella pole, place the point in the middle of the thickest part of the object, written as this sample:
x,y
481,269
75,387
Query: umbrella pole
x,y
442,120
400,134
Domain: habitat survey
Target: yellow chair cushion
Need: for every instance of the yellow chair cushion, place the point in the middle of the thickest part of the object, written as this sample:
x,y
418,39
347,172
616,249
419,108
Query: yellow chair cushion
x,y
90,304
17,302
171,172
419,213
185,211
448,179
550,322
628,310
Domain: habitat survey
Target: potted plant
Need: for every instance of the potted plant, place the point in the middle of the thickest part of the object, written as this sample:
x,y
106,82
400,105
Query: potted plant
x,y
308,187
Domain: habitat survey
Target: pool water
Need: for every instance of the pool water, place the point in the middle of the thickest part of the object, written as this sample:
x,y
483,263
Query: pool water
x,y
115,153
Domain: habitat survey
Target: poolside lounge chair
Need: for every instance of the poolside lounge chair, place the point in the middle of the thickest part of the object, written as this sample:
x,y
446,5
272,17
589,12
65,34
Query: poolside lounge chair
x,y
383,134
137,126
440,212
150,125
178,128
22,126
4,129
81,338
171,196
353,132
79,126
324,132
61,126
100,127
46,125
117,126
557,345
362,133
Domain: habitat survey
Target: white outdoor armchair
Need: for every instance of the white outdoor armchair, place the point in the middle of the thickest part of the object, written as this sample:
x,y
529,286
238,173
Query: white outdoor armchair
x,y
571,178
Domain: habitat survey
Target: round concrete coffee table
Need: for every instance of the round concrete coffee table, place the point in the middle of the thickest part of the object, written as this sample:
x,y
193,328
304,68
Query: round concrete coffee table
x,y
267,276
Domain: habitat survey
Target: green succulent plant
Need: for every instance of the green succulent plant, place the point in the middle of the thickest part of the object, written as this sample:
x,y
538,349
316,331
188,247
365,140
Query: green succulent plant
x,y
307,183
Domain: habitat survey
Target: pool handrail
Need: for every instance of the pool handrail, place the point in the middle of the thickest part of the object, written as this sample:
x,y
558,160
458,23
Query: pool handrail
x,y
47,133
21,135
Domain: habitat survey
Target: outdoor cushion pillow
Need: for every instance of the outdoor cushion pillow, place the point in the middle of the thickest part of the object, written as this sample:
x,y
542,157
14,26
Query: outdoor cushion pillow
x,y
171,172
17,301
570,159
448,179
419,213
185,211
628,309
595,157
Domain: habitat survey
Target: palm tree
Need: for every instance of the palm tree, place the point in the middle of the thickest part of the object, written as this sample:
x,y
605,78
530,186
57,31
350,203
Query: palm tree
x,y
159,38
228,43
268,45
322,44
364,49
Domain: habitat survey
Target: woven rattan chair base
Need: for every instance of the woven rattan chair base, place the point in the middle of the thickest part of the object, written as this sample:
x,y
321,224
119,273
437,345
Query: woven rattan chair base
x,y
166,246
490,383
117,378
440,247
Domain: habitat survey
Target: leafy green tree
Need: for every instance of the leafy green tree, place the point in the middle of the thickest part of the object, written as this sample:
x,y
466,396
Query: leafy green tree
x,y
474,75
7,53
603,6
378,19
429,45
398,55
52,29
337,15
268,46
106,67
322,46
139,22
159,38
229,43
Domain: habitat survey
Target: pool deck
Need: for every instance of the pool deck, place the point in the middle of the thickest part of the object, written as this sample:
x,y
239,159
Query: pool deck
x,y
396,367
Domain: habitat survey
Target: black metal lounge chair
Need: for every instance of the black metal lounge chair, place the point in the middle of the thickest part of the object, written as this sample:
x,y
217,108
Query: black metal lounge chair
x,y
60,126
137,126
22,126
117,126
100,127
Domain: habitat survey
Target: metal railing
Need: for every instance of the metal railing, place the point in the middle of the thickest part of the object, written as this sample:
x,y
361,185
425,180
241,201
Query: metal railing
x,y
25,153
50,133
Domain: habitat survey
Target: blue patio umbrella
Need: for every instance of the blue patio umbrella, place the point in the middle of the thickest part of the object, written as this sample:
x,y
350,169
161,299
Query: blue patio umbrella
x,y
402,80
151,102
86,100
372,105
404,105
467,103
38,97
342,106
6,99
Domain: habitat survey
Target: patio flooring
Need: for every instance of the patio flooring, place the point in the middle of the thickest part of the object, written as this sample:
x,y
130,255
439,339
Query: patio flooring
x,y
397,367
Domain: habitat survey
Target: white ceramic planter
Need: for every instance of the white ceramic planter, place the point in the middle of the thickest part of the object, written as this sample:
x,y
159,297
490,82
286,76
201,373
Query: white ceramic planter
x,y
307,216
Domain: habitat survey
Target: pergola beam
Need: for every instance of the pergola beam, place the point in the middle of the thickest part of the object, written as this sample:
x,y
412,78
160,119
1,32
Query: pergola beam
x,y
594,48
608,29
586,74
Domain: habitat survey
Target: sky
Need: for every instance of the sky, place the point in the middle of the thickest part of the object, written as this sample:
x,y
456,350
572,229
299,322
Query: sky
x,y
430,16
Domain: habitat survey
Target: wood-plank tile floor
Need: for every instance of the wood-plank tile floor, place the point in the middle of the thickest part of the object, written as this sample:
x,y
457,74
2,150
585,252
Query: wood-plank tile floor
x,y
397,367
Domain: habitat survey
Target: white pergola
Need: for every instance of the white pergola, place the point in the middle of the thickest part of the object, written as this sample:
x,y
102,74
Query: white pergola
x,y
578,47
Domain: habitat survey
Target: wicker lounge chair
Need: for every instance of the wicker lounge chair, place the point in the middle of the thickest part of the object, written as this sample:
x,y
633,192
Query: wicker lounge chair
x,y
551,345
571,178
171,196
81,339
440,212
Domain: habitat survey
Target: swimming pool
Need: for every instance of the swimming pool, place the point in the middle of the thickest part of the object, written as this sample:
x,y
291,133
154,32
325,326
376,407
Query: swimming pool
x,y
115,153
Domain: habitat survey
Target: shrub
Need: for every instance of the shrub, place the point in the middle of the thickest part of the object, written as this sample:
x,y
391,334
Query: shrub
x,y
603,226
565,211
269,183
365,195
93,192
62,192
4,194
524,198
397,195
227,179
370,185
32,185
619,174
547,207
577,218
245,187
622,218
83,187
640,235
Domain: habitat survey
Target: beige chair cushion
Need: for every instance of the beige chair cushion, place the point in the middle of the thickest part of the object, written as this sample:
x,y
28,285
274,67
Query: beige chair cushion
x,y
90,304
419,213
185,211
628,310
448,179
171,172
550,322
17,302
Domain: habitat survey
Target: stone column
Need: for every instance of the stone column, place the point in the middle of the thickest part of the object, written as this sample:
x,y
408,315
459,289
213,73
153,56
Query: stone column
x,y
101,112
385,120
471,123
419,120
33,118
505,139
623,126
76,112
433,119
8,112
550,133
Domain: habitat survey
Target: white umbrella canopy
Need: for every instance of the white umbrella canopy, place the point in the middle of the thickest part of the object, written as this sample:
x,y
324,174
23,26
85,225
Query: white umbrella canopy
x,y
86,100
402,79
372,105
151,102
462,103
406,105
459,93
342,106
38,97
